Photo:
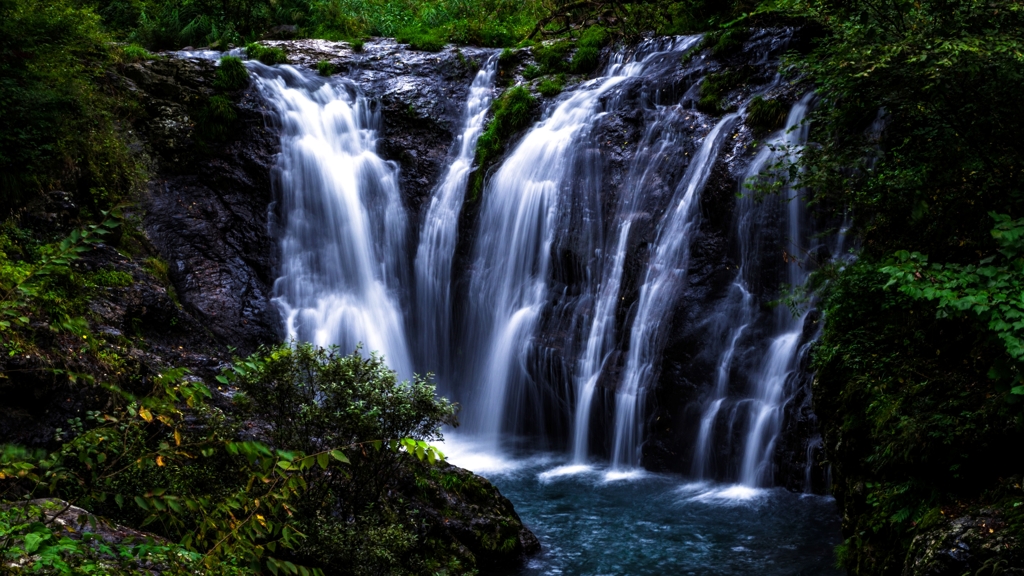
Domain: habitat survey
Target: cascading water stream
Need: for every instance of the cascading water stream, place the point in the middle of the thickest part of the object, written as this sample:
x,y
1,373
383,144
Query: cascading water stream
x,y
739,310
439,233
666,272
768,390
343,247
652,151
521,203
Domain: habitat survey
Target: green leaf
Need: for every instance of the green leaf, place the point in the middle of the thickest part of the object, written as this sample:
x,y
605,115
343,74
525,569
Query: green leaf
x,y
33,540
339,456
322,459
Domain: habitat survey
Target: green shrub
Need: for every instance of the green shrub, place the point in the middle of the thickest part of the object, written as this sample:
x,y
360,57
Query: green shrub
x,y
588,52
765,115
584,60
135,53
266,54
59,125
357,44
325,68
531,72
513,112
231,74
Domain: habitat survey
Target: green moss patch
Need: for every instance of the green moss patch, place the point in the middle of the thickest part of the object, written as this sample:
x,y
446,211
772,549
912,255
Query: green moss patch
x,y
552,86
765,115
513,112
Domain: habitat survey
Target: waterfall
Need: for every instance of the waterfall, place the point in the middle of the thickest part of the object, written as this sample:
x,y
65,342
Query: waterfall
x,y
521,203
666,272
439,233
348,276
344,230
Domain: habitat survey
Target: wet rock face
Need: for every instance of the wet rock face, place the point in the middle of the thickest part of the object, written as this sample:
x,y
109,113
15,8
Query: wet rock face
x,y
978,542
207,204
467,512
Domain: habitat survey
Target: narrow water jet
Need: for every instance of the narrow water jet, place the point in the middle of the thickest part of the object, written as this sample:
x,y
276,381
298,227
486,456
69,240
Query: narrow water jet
x,y
439,233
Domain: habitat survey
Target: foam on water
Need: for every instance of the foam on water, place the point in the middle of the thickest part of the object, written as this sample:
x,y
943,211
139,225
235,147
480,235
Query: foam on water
x,y
731,495
629,474
563,471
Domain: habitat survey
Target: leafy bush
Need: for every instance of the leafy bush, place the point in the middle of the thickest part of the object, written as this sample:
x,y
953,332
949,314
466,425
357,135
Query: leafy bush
x,y
513,112
186,470
231,74
311,399
269,55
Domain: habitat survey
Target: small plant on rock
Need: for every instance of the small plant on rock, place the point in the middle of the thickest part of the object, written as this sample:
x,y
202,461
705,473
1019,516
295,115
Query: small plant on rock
x,y
269,55
325,68
231,74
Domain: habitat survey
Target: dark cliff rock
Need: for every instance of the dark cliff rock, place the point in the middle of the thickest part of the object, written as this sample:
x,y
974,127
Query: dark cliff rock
x,y
207,205
470,516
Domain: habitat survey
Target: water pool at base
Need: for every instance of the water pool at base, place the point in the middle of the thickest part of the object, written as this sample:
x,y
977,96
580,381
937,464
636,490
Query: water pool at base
x,y
591,521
